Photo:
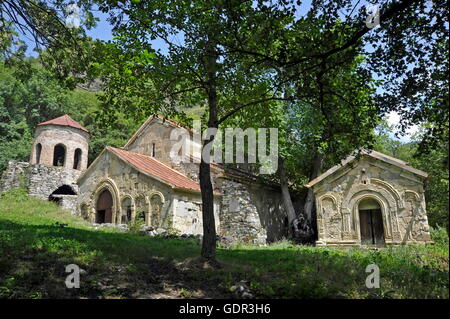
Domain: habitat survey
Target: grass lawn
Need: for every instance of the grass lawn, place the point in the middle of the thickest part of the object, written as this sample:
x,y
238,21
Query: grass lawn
x,y
35,249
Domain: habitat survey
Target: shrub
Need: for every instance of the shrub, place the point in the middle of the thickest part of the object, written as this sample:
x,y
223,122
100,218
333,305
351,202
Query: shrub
x,y
439,235
135,227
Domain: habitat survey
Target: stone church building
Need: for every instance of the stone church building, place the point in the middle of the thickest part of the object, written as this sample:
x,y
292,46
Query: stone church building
x,y
372,199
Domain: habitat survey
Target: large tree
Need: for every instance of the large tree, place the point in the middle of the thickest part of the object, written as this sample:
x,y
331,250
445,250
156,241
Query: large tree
x,y
195,67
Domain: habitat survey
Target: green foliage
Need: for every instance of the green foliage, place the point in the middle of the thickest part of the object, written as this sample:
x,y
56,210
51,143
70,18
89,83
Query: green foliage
x,y
31,94
439,235
135,227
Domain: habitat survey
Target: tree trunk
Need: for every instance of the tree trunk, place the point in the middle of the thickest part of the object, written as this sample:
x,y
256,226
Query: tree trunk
x,y
309,204
287,201
209,226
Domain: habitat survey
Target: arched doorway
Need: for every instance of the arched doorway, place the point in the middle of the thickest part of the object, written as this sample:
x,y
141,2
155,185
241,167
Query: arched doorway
x,y
104,207
371,222
141,210
126,211
59,155
77,159
38,152
62,190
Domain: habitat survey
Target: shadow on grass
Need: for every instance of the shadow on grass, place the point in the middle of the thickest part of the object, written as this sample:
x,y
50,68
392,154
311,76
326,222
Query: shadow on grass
x,y
33,260
118,265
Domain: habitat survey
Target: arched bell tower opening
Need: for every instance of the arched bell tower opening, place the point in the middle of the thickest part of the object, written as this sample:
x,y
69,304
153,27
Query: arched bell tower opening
x,y
38,151
77,158
59,155
371,222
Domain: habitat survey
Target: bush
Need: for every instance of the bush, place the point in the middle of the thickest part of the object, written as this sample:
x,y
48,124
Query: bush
x,y
135,227
439,235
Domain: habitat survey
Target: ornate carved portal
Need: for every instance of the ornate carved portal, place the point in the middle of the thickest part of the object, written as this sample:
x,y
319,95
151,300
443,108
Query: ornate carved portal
x,y
339,218
110,186
371,223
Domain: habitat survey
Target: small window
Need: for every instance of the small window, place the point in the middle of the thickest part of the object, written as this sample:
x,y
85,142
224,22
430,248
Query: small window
x,y
153,150
38,153
77,159
59,155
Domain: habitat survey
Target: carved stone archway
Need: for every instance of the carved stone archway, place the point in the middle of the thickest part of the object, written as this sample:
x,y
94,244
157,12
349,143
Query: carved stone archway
x,y
124,213
111,186
389,208
156,200
142,205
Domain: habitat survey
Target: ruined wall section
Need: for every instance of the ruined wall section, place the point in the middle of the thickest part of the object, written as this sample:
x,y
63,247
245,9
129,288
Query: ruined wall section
x,y
40,180
251,212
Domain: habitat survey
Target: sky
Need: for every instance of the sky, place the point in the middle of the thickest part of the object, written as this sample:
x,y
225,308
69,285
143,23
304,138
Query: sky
x,y
103,31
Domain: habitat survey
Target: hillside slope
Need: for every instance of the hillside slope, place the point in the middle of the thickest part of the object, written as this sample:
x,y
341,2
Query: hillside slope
x,y
37,241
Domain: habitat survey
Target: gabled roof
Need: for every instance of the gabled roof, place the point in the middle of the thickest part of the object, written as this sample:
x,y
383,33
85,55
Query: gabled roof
x,y
148,121
153,168
156,169
374,154
65,120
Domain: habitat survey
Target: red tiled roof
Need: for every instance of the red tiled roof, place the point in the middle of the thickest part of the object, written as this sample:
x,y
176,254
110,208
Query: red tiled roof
x,y
156,169
65,120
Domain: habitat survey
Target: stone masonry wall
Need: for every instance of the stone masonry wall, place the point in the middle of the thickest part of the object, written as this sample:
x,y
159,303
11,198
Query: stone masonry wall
x,y
67,202
40,180
251,213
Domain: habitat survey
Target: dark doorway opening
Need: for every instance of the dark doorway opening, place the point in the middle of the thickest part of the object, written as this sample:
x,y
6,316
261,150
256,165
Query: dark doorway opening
x,y
100,216
126,211
104,207
62,190
371,223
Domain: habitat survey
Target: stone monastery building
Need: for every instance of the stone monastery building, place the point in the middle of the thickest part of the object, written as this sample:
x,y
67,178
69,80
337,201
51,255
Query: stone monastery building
x,y
371,199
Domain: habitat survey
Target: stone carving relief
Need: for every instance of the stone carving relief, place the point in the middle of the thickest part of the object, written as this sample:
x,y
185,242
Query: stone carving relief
x,y
156,203
414,220
329,218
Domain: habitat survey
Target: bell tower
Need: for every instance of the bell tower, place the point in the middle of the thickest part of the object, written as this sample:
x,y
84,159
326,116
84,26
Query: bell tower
x,y
61,142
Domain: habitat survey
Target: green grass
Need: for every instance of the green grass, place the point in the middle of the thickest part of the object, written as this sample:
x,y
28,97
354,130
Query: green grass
x,y
35,247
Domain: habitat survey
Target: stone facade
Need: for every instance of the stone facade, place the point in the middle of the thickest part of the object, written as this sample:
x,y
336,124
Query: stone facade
x,y
134,191
369,199
246,210
374,183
